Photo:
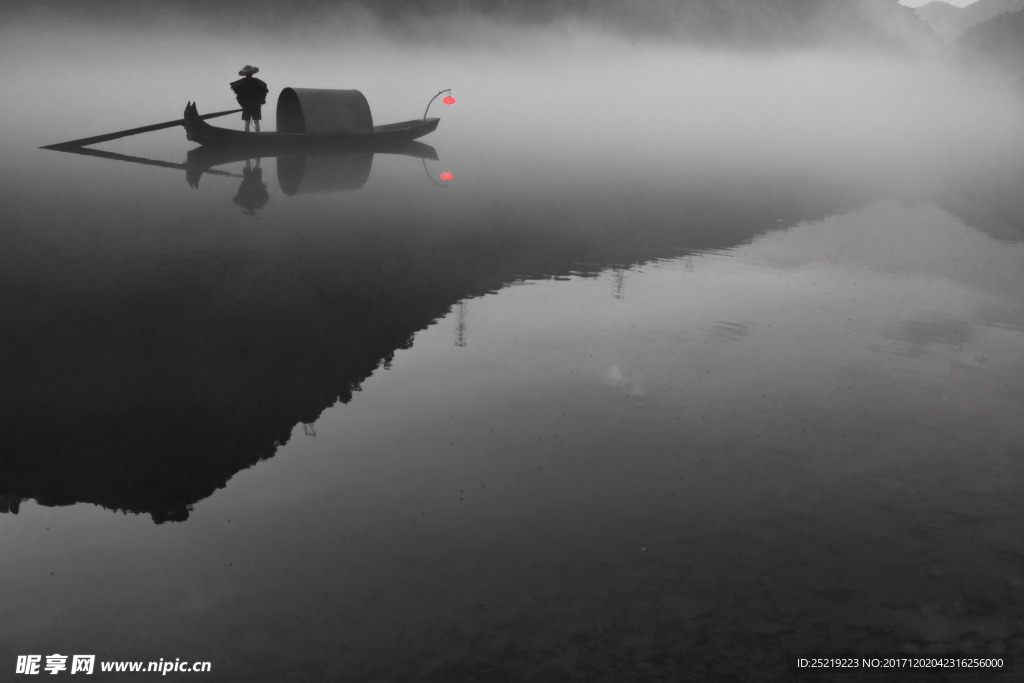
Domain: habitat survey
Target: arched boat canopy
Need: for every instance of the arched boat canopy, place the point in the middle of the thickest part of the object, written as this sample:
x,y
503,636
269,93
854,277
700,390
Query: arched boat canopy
x,y
323,112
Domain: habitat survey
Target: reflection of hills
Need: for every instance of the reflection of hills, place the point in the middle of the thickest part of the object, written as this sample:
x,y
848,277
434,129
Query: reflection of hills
x,y
146,383
984,193
996,209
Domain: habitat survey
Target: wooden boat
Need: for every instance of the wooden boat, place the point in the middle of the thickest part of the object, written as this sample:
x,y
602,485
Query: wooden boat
x,y
312,118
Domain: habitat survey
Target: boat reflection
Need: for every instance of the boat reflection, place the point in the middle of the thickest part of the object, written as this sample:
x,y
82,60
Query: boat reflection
x,y
313,170
303,170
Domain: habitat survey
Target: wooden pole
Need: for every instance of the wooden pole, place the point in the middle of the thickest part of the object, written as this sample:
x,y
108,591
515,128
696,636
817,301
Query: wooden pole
x,y
132,131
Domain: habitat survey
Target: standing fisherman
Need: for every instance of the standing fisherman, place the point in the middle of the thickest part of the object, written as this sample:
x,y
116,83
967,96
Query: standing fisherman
x,y
251,93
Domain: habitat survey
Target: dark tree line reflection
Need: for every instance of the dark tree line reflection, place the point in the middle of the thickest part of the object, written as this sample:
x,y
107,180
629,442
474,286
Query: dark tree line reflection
x,y
148,400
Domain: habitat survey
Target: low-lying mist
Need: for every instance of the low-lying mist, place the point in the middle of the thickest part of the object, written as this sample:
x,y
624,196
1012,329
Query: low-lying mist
x,y
560,101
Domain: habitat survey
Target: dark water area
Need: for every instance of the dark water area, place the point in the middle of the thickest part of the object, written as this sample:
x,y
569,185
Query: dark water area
x,y
669,380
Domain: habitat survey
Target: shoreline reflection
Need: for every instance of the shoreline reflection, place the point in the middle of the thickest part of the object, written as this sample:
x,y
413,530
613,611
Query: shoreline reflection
x,y
159,380
144,384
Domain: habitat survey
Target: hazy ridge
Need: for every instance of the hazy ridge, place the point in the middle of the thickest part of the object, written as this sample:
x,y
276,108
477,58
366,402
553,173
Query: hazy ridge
x,y
876,23
950,22
999,40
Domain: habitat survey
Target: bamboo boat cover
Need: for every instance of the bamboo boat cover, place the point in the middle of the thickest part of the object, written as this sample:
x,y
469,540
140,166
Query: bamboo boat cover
x,y
323,112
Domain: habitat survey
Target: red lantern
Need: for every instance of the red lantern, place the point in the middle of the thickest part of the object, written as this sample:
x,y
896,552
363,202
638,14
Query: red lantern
x,y
446,176
449,100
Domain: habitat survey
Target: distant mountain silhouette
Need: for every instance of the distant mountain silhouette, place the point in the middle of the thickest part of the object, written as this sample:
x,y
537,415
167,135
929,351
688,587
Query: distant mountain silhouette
x,y
999,41
950,22
149,397
782,23
943,18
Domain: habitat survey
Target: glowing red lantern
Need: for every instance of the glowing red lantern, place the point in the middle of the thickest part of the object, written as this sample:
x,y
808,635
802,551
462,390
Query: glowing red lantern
x,y
449,100
446,176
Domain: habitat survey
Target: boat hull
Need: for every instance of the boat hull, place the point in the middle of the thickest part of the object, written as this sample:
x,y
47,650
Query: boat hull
x,y
203,133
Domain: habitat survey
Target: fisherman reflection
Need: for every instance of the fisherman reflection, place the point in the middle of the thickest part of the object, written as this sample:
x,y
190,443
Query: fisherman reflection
x,y
252,193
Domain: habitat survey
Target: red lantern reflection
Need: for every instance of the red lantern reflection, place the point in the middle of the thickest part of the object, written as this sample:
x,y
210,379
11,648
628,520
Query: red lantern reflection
x,y
446,176
449,100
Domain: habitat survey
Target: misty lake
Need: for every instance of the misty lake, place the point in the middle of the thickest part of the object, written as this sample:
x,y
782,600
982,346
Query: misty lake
x,y
698,359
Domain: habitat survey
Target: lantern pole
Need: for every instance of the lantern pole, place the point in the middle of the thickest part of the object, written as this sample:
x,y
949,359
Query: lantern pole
x,y
446,90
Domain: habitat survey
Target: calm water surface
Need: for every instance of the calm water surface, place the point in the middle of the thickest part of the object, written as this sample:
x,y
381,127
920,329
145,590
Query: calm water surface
x,y
666,381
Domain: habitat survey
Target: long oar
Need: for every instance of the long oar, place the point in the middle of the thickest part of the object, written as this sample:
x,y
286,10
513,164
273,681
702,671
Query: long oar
x,y
132,131
136,160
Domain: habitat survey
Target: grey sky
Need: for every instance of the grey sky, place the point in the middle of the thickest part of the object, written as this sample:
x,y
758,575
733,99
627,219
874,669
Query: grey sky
x,y
918,3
